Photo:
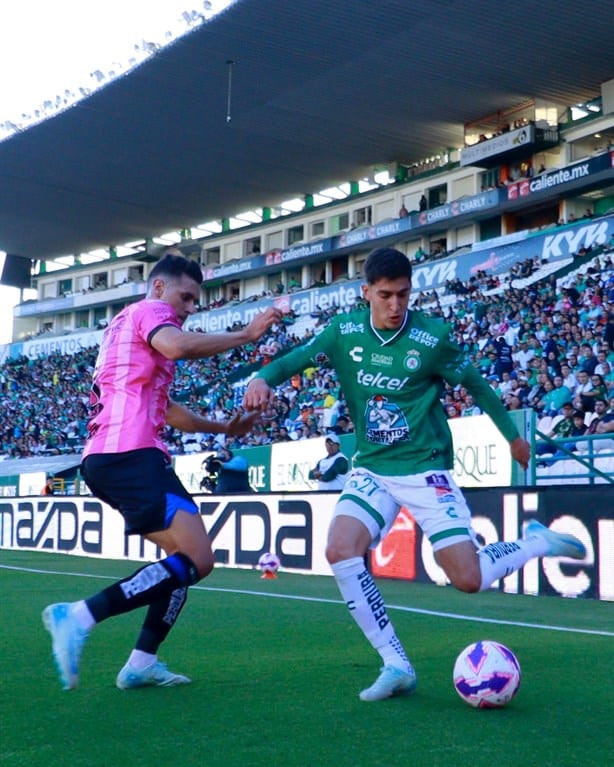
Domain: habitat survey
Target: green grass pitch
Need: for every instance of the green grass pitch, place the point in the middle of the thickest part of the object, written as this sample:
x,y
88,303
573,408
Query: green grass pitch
x,y
277,666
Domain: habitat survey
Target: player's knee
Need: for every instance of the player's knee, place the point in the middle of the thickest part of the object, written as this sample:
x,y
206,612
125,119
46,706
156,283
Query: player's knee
x,y
339,551
332,554
468,582
204,564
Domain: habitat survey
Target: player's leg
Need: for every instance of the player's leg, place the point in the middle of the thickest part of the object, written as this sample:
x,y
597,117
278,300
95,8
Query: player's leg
x,y
440,509
360,517
186,534
163,512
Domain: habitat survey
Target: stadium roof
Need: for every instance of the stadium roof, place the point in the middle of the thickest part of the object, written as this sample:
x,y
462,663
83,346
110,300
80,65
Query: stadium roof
x,y
322,91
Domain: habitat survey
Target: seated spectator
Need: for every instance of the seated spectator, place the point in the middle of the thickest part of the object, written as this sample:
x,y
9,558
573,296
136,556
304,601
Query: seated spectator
x,y
602,423
555,397
598,391
583,387
470,407
567,426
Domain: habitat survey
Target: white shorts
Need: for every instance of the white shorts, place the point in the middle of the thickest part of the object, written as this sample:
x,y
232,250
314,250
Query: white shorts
x,y
432,497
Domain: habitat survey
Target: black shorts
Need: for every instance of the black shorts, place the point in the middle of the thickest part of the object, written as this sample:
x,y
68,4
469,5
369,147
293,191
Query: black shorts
x,y
141,485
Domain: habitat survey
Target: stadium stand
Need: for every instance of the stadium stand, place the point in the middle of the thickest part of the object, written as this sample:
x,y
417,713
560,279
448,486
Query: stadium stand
x,y
44,401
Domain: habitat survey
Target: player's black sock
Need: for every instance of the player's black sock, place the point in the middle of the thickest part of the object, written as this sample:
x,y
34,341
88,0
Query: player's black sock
x,y
152,583
160,619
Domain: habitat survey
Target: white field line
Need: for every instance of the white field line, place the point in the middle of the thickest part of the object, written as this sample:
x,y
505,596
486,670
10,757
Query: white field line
x,y
322,600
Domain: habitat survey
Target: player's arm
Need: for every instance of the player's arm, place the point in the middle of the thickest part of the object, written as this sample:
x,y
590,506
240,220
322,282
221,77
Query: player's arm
x,y
259,391
457,370
176,344
184,419
492,405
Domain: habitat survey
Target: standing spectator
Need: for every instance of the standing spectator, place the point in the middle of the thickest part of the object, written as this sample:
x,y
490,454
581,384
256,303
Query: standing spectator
x,y
505,364
331,471
49,488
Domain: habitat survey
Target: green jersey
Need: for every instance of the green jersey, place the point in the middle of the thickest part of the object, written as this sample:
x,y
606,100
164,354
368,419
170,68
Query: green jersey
x,y
392,382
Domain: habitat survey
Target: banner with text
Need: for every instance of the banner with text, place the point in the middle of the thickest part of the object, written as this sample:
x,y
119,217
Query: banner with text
x,y
295,528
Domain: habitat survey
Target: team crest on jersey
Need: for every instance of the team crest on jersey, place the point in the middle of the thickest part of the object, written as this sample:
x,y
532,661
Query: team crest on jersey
x,y
386,422
320,358
412,361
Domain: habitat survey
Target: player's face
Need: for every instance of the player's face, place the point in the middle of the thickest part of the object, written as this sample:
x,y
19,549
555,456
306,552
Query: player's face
x,y
388,300
182,294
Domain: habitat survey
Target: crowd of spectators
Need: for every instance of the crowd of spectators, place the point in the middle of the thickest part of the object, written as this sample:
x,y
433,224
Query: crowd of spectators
x,y
547,346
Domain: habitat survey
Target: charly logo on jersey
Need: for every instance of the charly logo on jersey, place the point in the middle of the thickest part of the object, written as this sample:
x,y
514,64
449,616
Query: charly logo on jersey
x,y
351,327
412,361
383,360
424,338
385,421
356,353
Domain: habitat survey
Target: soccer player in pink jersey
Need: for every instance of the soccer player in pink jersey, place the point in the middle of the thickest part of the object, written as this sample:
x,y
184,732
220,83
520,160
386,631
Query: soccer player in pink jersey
x,y
126,465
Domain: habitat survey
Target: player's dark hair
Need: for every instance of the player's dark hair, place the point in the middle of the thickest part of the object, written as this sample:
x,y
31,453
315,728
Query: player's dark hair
x,y
176,266
386,264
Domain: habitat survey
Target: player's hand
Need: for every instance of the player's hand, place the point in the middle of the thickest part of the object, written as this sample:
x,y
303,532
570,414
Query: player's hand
x,y
241,424
521,451
257,395
262,322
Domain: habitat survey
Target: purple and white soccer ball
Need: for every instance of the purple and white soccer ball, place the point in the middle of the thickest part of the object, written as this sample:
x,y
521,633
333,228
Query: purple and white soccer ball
x,y
486,674
269,563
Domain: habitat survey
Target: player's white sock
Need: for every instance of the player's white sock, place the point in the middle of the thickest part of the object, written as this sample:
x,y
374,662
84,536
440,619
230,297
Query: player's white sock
x,y
140,660
367,607
83,616
498,560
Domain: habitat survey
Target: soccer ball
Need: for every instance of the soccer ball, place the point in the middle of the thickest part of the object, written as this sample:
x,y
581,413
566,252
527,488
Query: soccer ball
x,y
269,563
486,674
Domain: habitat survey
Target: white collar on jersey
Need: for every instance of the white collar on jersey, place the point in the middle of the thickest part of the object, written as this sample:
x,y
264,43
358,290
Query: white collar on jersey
x,y
384,341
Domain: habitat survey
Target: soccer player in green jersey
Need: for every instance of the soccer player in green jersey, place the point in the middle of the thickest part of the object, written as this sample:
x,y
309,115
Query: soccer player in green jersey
x,y
392,364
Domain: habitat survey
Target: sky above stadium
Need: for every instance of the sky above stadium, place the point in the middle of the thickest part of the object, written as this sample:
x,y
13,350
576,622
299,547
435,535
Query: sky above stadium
x,y
49,48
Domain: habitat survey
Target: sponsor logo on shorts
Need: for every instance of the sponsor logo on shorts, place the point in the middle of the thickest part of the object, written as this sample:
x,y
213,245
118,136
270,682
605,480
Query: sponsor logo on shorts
x,y
441,485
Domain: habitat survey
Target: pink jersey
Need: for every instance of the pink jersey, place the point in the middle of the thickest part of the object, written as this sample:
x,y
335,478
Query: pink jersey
x,y
129,393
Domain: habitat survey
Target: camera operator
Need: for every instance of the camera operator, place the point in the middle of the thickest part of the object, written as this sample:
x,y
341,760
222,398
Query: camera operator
x,y
226,473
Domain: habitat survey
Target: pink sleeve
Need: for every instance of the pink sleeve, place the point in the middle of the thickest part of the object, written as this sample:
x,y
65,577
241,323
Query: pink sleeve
x,y
152,315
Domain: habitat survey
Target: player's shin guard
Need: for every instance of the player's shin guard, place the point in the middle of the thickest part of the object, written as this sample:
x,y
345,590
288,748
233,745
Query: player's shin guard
x,y
160,619
152,583
367,607
498,560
